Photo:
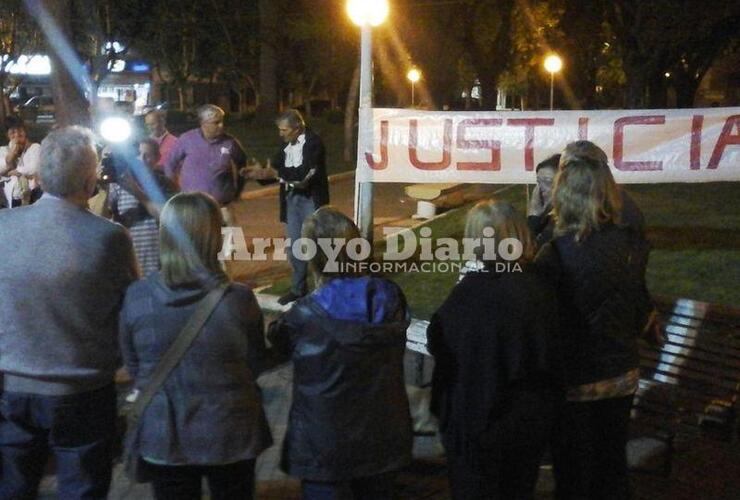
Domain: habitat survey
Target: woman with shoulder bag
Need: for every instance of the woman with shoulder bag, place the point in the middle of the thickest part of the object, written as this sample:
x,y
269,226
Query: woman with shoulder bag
x,y
202,413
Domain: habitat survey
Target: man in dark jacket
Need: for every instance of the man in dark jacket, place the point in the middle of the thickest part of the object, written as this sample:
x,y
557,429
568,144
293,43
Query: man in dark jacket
x,y
301,169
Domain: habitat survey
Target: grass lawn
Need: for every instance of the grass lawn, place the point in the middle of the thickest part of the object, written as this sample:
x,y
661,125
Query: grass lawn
x,y
694,230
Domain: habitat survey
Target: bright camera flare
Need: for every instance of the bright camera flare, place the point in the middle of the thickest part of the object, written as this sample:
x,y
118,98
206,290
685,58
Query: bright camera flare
x,y
115,129
553,63
414,75
372,12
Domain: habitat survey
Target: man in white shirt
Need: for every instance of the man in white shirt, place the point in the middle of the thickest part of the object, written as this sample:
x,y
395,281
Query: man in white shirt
x,y
19,164
300,167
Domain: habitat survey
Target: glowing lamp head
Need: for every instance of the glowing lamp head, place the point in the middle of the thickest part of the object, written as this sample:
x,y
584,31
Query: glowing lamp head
x,y
115,129
372,12
414,75
553,63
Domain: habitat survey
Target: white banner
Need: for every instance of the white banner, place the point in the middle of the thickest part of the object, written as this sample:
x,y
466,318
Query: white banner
x,y
644,146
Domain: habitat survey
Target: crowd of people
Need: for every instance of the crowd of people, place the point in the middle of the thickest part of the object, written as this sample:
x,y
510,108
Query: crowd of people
x,y
541,356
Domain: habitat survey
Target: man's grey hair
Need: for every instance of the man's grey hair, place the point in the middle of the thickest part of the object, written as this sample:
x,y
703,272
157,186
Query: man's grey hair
x,y
68,158
292,117
209,112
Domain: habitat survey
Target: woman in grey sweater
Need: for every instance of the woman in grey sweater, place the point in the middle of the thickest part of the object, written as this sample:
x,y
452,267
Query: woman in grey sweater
x,y
207,420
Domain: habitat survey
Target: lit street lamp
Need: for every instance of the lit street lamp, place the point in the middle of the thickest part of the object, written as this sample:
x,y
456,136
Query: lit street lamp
x,y
553,64
414,75
366,14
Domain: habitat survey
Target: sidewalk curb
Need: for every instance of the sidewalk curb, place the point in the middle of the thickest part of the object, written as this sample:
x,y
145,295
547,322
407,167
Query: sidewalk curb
x,y
274,188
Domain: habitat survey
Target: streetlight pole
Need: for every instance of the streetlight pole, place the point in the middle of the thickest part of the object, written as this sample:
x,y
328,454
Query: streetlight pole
x,y
553,64
364,203
414,75
552,86
366,14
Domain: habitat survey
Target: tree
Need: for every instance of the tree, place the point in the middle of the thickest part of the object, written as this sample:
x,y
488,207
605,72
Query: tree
x,y
68,83
321,52
655,37
18,36
177,39
268,49
484,30
237,54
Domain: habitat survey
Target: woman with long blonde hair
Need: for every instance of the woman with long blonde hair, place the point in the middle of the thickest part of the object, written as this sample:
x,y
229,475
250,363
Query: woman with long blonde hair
x,y
207,420
493,386
597,263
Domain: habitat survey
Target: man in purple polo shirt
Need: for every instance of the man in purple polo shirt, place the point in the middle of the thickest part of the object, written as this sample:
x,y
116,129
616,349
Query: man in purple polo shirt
x,y
207,159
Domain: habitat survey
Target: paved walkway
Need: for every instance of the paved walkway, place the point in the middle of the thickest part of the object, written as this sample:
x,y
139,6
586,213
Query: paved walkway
x,y
259,218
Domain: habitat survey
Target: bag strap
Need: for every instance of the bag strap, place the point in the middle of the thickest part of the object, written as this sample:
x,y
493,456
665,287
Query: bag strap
x,y
176,351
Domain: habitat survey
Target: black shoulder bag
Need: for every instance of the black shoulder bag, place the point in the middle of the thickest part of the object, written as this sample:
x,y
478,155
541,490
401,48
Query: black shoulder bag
x,y
132,462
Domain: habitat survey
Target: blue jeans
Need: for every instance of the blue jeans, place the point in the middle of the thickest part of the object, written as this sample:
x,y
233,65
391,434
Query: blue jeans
x,y
79,429
298,207
379,487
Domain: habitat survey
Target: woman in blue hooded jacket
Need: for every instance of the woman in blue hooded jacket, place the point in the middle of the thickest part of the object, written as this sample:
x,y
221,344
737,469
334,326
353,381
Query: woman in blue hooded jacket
x,y
349,428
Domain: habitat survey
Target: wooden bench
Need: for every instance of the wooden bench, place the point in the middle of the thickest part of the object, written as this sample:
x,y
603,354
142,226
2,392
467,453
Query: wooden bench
x,y
689,387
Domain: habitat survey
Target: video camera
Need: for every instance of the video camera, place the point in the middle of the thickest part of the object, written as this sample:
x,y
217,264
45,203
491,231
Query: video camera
x,y
121,136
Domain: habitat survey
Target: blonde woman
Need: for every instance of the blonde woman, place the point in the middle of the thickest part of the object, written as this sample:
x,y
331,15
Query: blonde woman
x,y
597,263
349,429
207,420
493,387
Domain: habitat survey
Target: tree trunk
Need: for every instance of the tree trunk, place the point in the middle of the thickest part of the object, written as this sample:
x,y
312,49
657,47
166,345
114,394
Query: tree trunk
x,y
635,88
350,111
4,101
72,108
686,92
268,105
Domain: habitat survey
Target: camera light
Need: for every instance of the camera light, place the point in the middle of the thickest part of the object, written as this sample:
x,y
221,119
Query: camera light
x,y
115,129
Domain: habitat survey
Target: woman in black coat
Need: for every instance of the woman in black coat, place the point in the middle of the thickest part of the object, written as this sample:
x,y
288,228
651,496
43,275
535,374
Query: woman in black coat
x,y
494,386
597,262
349,428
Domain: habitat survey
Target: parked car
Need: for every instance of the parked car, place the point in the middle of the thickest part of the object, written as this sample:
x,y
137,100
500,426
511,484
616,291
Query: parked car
x,y
37,106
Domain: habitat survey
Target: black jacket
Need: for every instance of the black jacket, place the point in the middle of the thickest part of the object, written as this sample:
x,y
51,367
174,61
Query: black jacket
x,y
350,413
603,300
314,156
492,342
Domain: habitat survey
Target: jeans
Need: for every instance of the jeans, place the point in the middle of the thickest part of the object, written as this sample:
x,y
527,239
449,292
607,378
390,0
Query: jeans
x,y
379,487
589,450
78,429
183,482
298,207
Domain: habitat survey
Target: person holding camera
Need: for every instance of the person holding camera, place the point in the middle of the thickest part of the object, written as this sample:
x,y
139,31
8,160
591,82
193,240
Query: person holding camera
x,y
134,209
19,164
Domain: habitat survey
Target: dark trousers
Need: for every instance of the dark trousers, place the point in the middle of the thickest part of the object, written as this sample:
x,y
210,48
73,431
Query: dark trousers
x,y
379,487
183,482
503,461
589,450
78,429
297,207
